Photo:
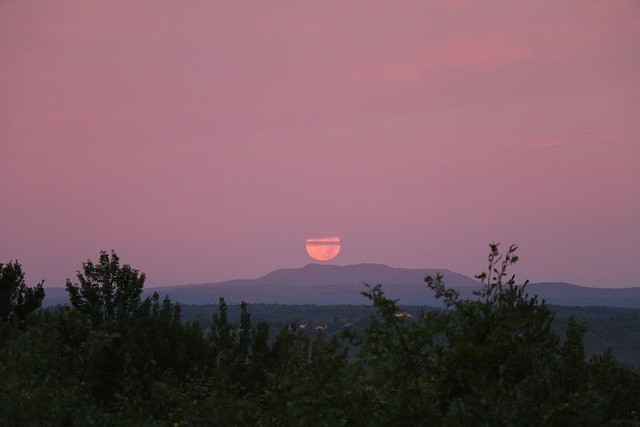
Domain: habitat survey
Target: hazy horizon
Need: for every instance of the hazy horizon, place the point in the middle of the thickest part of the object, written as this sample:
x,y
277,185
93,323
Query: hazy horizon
x,y
207,141
519,280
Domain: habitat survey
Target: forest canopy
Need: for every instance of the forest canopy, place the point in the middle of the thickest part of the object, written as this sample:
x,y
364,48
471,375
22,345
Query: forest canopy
x,y
113,358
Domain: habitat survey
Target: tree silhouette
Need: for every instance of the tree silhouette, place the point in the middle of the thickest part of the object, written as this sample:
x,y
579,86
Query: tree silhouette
x,y
16,298
106,291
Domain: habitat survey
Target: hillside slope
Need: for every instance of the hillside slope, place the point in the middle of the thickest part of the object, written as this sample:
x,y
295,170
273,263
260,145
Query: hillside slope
x,y
332,284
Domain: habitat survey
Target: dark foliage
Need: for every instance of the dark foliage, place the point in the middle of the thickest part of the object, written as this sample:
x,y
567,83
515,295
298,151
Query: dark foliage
x,y
114,359
17,300
106,292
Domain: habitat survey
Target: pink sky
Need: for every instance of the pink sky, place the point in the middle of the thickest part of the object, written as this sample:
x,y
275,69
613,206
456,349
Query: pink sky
x,y
205,141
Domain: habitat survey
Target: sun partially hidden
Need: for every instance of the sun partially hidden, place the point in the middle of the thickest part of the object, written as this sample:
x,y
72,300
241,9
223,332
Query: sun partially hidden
x,y
323,248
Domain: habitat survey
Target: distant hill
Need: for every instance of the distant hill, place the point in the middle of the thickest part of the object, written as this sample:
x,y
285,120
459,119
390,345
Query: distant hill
x,y
320,284
578,296
332,284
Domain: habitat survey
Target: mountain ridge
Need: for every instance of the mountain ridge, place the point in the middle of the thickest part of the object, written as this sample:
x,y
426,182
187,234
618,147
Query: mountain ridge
x,y
328,284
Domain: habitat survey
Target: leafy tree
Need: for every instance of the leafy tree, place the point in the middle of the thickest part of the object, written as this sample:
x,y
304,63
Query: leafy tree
x,y
398,354
164,341
42,375
106,291
16,298
494,369
490,360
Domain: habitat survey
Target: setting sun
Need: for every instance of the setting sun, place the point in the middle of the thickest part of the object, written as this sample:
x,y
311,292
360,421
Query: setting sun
x,y
323,248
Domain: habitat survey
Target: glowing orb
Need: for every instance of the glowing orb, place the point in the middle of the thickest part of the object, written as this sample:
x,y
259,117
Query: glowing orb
x,y
323,248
